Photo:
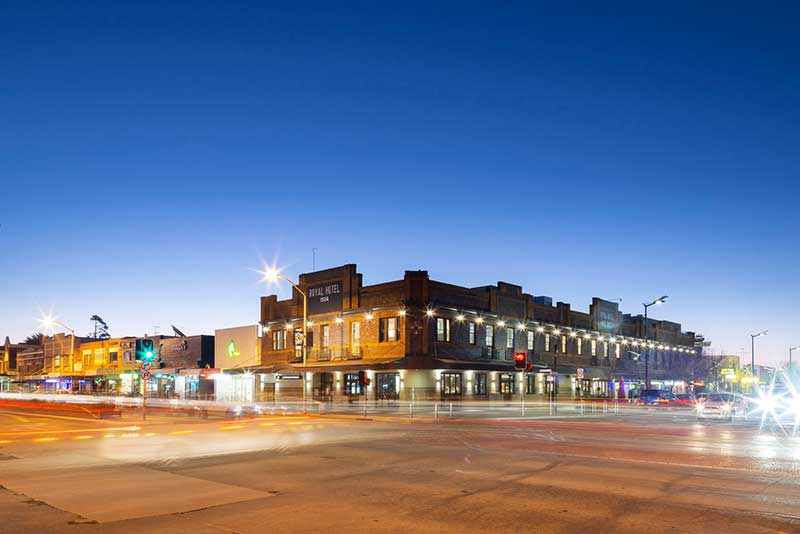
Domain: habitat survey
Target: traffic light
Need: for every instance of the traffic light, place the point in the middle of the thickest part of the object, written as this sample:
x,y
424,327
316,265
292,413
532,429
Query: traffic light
x,y
145,350
362,378
520,361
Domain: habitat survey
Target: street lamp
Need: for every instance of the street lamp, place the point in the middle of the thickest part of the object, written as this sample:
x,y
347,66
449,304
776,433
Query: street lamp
x,y
659,300
273,275
791,350
753,353
48,323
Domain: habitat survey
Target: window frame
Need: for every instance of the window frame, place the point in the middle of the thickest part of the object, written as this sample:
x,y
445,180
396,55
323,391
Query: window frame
x,y
443,334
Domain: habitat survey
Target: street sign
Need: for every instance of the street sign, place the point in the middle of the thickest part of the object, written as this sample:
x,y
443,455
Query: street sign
x,y
146,375
146,366
580,373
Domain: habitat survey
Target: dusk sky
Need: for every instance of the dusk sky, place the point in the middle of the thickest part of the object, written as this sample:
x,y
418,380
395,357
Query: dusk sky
x,y
152,155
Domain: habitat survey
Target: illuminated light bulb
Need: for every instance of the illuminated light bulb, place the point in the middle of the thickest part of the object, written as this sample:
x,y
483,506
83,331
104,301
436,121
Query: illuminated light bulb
x,y
521,326
501,324
556,332
339,320
479,320
459,317
368,316
540,329
402,313
429,313
572,334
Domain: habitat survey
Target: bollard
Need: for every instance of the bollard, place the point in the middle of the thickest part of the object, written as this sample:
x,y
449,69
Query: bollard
x,y
436,410
451,409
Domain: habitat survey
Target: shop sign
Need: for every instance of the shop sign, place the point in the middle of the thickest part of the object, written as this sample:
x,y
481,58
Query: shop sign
x,y
325,297
288,377
606,316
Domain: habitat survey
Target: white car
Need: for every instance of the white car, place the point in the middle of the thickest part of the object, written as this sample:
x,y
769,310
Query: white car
x,y
726,405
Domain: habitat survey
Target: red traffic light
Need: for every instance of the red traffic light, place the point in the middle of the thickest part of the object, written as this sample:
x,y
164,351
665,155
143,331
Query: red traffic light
x,y
520,360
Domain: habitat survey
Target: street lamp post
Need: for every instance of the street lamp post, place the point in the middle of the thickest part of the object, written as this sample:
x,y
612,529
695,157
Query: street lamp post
x,y
753,353
272,275
659,300
48,322
791,350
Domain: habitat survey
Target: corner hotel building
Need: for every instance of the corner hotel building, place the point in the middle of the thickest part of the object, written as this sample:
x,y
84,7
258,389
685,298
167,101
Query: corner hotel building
x,y
433,340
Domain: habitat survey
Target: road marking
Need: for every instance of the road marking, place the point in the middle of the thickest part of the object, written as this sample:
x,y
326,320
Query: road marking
x,y
5,441
83,437
179,432
68,431
231,427
268,424
43,440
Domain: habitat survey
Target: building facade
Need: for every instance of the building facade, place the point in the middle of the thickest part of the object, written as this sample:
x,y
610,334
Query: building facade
x,y
421,338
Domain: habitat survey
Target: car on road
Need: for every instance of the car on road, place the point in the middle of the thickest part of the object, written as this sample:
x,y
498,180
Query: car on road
x,y
685,399
725,405
656,397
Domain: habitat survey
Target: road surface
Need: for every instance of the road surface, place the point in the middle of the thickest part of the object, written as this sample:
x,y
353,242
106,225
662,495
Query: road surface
x,y
295,473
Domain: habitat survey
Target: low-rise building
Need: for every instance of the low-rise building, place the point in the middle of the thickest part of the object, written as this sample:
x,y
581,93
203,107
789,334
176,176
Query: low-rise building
x,y
420,338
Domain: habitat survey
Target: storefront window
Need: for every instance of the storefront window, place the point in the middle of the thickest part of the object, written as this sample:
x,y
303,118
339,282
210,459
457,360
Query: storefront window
x,y
387,385
451,383
506,384
481,384
352,386
530,384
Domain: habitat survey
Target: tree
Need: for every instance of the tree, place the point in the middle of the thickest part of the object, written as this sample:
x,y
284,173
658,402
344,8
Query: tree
x,y
34,339
100,328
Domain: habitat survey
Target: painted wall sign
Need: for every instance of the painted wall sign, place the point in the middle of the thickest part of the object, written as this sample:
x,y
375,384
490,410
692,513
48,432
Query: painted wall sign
x,y
325,297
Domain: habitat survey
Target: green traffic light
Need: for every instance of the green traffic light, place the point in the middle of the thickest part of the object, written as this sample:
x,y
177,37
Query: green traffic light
x,y
148,355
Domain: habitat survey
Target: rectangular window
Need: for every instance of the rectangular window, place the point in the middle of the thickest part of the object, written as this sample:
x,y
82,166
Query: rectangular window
x,y
481,384
298,340
616,350
563,344
442,329
355,338
326,336
471,333
531,340
451,383
580,346
489,335
594,347
506,384
547,342
113,356
87,357
387,330
530,384
509,338
279,340
352,385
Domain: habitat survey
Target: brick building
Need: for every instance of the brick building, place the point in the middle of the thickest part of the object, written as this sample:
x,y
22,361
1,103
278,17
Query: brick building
x,y
421,337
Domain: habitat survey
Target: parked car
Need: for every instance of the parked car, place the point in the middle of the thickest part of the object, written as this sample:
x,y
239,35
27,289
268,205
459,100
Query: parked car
x,y
656,397
685,399
725,405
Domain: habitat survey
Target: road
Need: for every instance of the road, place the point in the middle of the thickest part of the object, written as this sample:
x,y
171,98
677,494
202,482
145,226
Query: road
x,y
295,473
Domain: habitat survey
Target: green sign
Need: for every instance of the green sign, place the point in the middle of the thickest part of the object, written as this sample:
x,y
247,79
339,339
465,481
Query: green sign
x,y
232,352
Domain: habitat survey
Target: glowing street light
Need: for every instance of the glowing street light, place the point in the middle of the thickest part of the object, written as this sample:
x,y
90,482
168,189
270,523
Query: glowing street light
x,y
656,302
272,275
791,350
753,353
48,323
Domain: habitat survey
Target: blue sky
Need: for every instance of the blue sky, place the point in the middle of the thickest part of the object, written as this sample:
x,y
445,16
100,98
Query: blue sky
x,y
153,153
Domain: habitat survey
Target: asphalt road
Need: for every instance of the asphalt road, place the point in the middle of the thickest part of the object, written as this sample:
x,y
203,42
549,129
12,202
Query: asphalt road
x,y
643,472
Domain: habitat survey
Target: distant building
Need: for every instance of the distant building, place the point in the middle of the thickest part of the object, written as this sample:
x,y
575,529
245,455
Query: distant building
x,y
429,339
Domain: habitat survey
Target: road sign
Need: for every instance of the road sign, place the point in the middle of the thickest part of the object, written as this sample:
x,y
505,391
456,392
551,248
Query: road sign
x,y
146,375
146,366
580,373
